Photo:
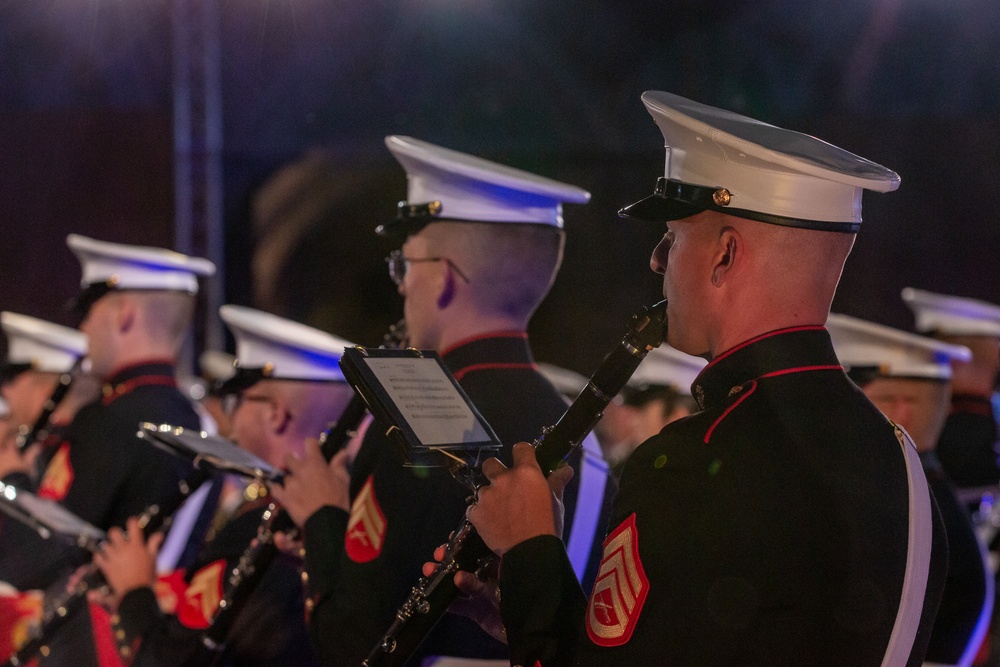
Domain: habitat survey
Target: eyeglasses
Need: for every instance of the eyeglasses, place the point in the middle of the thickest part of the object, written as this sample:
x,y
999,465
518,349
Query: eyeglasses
x,y
399,264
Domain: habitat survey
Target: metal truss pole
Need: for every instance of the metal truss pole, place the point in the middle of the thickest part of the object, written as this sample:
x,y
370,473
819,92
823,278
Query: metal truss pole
x,y
198,195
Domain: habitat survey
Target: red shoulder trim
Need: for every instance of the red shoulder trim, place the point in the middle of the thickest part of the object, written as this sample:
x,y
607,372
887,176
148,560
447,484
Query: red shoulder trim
x,y
740,346
523,335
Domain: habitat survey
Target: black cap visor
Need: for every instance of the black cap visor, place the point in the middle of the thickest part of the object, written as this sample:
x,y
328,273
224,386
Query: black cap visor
x,y
410,219
673,200
243,379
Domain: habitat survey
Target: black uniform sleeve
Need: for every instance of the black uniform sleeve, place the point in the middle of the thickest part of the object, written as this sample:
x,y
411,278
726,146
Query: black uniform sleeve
x,y
324,538
541,603
265,631
138,612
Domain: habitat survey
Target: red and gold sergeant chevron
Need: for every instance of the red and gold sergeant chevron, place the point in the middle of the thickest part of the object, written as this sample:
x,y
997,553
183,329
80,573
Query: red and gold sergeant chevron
x,y
620,589
366,526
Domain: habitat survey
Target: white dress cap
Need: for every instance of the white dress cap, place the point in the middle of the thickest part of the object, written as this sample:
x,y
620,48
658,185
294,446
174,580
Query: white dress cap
x,y
952,315
271,347
216,365
119,266
881,351
666,366
39,345
722,161
566,382
443,184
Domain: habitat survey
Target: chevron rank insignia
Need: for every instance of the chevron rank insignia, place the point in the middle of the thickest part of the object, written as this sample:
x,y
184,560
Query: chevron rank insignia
x,y
620,589
58,476
19,613
201,599
366,526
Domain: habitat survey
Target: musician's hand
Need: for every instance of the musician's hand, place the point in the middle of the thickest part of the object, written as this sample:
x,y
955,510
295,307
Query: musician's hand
x,y
290,545
127,560
481,601
13,460
519,503
312,483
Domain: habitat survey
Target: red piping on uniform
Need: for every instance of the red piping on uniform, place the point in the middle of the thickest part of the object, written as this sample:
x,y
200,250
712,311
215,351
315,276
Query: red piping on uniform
x,y
460,373
523,335
802,369
141,381
753,386
813,327
708,433
145,362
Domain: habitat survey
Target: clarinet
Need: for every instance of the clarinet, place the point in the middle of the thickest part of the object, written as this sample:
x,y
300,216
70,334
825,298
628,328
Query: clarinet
x,y
67,603
39,430
429,600
261,552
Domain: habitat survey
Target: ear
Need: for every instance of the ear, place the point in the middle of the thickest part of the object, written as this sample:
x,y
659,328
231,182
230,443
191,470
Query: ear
x,y
448,286
279,417
728,254
126,314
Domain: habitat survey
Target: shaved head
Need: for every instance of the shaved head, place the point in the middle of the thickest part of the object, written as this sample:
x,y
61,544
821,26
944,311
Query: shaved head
x,y
728,279
510,267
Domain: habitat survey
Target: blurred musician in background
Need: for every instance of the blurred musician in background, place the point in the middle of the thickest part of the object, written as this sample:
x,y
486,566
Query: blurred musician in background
x,y
481,244
659,392
287,388
39,355
137,304
968,445
907,377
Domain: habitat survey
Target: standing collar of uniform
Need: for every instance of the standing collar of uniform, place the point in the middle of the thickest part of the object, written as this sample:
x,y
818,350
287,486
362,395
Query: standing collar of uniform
x,y
791,350
971,404
494,350
152,371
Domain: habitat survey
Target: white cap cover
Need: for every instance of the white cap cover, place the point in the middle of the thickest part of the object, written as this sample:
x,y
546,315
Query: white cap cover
x,y
120,266
668,367
860,344
952,315
216,365
566,382
42,345
443,184
719,160
282,349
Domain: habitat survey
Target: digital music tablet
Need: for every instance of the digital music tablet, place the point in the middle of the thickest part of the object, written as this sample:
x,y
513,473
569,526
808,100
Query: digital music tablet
x,y
414,392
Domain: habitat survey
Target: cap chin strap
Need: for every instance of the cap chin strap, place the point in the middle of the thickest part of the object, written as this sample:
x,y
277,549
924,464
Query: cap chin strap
x,y
718,199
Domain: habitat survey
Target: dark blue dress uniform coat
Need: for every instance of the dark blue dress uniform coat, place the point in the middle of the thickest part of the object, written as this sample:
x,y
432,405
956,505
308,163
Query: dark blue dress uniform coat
x,y
360,571
967,447
113,475
968,592
268,630
770,528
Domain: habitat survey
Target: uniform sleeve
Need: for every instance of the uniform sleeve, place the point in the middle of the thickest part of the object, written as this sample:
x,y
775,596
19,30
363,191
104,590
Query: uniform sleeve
x,y
162,640
324,537
541,603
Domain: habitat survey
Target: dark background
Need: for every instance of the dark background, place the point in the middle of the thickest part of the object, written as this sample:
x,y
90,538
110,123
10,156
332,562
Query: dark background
x,y
552,87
